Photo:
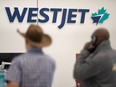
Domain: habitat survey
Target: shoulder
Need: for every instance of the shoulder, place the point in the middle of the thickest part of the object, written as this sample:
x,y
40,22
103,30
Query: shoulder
x,y
50,58
113,51
18,59
102,58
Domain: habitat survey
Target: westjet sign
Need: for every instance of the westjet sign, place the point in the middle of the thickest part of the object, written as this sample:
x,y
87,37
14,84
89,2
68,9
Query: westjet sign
x,y
67,15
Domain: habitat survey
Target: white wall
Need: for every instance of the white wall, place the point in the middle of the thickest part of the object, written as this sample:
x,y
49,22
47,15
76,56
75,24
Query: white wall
x,y
66,42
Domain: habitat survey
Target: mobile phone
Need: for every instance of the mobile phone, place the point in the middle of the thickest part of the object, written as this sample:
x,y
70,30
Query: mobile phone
x,y
93,40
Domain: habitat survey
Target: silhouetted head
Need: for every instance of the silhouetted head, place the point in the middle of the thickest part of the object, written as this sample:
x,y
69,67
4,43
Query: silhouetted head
x,y
35,37
100,35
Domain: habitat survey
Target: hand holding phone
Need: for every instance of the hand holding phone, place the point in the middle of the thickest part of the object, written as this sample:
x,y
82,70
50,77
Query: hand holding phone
x,y
89,46
93,40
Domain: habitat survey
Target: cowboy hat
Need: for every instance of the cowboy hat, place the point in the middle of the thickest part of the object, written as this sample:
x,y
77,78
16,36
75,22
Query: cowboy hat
x,y
36,37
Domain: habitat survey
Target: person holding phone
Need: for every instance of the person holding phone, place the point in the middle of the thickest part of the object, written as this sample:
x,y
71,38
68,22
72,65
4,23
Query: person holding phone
x,y
94,68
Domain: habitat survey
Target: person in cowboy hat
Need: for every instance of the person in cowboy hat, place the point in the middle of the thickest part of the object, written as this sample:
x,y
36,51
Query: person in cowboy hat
x,y
33,68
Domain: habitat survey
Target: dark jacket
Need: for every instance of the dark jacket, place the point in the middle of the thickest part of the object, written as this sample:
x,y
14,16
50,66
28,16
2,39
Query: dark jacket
x,y
95,70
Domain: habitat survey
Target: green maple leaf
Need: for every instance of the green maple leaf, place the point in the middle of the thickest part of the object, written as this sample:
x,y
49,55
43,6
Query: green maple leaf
x,y
94,14
101,12
104,17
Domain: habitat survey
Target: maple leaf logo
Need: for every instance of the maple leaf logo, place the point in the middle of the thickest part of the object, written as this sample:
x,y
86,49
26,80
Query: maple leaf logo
x,y
100,17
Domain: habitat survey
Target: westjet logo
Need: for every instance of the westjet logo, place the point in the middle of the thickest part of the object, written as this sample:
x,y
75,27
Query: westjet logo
x,y
67,15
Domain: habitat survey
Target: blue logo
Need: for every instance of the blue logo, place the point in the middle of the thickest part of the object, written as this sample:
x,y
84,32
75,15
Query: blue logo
x,y
100,16
68,16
